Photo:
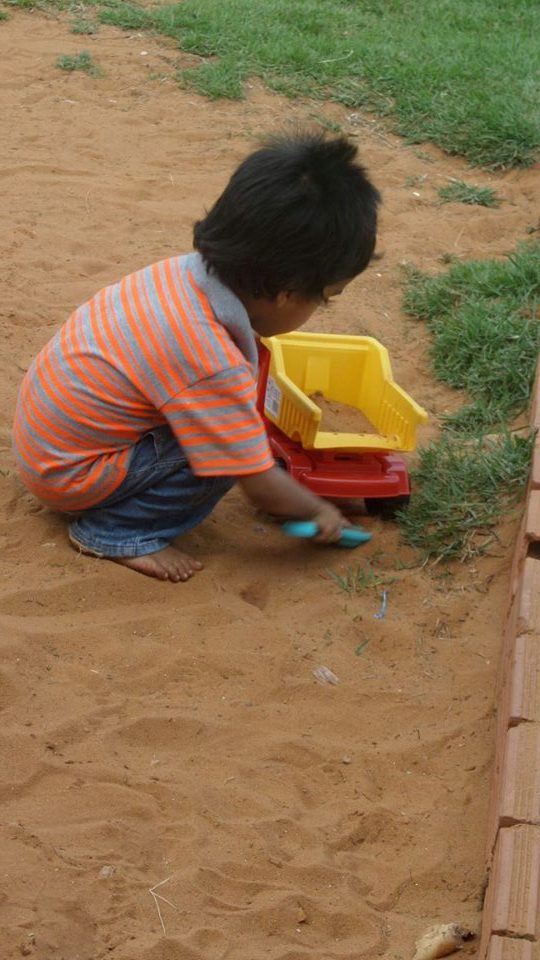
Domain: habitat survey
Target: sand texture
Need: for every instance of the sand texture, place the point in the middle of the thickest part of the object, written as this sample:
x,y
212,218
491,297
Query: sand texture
x,y
341,417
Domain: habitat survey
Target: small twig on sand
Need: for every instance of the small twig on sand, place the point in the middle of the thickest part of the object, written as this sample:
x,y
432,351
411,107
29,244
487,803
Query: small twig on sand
x,y
157,896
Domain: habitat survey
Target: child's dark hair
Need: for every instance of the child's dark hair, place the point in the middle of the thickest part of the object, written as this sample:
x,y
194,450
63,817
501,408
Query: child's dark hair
x,y
297,215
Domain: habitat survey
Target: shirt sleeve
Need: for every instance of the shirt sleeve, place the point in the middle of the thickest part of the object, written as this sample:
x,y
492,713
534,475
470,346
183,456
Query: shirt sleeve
x,y
218,426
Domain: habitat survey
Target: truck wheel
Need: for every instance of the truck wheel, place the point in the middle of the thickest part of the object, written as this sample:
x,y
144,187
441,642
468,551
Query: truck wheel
x,y
386,507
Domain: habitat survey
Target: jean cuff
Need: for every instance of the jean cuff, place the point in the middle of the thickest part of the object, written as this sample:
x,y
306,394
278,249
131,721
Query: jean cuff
x,y
102,550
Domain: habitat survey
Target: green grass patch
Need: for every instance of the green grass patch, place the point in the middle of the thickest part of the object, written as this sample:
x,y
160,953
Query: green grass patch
x,y
461,491
457,191
486,338
438,71
128,16
79,61
486,333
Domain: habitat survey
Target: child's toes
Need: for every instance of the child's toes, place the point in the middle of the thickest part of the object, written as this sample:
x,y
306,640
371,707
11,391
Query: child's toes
x,y
184,568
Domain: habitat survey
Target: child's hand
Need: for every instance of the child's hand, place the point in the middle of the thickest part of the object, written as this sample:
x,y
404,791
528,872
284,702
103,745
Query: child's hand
x,y
330,523
275,492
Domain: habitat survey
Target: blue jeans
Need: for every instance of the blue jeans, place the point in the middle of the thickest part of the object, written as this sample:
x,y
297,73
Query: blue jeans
x,y
159,499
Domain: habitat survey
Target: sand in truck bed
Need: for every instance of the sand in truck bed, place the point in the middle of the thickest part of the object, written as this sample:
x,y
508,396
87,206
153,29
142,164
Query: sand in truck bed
x,y
341,417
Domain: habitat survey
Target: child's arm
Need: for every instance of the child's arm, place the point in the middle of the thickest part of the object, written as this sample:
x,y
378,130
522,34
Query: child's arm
x,y
274,491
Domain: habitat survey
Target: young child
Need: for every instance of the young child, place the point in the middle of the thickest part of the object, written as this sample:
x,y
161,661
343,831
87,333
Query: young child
x,y
140,414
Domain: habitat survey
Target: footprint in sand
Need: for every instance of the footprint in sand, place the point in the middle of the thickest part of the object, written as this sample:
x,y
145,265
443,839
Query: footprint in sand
x,y
256,594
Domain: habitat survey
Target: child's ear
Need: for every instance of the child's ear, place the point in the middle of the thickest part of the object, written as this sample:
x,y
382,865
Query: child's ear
x,y
282,299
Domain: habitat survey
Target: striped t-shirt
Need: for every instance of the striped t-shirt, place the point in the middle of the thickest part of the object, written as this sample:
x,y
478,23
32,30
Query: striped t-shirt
x,y
168,344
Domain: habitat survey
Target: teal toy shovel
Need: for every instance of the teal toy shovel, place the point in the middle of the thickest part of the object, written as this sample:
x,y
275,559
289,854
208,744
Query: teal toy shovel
x,y
350,536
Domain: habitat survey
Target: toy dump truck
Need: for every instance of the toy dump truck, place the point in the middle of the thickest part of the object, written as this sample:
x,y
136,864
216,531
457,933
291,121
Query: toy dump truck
x,y
296,369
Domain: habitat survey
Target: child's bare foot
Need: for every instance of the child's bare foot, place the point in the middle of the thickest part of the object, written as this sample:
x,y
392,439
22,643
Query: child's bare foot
x,y
167,564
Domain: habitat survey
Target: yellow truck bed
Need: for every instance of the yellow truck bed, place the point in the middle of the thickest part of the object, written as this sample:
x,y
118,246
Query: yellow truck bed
x,y
351,370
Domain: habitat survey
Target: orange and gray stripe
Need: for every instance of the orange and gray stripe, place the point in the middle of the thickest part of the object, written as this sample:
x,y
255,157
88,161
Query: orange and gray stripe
x,y
167,344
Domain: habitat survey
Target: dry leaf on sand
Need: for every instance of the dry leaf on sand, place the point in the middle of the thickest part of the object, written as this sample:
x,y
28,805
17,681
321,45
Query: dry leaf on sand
x,y
441,941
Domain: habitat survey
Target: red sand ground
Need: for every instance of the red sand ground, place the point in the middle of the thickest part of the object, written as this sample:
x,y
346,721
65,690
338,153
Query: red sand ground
x,y
155,732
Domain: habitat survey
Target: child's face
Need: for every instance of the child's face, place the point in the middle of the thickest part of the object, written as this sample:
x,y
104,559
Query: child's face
x,y
288,311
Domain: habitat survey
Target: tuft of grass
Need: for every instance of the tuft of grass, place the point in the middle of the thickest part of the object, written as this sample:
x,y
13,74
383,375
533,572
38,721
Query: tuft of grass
x,y
37,4
84,27
462,491
79,61
437,71
74,7
486,333
327,123
359,578
458,191
415,181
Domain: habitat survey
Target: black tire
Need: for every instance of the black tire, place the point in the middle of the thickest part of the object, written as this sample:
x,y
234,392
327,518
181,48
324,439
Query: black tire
x,y
386,507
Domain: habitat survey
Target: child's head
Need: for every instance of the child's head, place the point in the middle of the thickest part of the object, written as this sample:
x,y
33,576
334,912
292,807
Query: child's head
x,y
296,222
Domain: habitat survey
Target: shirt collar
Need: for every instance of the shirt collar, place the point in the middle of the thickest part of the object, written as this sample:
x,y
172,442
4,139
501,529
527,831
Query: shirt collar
x,y
227,308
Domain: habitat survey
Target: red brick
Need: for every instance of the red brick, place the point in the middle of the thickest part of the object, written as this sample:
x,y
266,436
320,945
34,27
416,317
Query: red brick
x,y
493,813
535,423
501,731
515,781
508,640
528,614
520,552
524,680
519,788
505,948
535,467
532,516
512,900
534,418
